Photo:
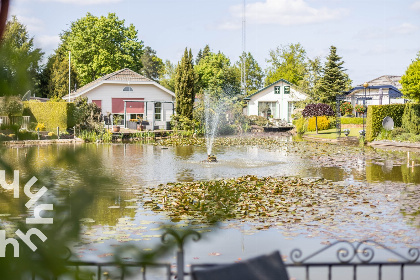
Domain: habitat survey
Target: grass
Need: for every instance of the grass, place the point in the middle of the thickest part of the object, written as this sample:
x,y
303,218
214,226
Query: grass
x,y
332,133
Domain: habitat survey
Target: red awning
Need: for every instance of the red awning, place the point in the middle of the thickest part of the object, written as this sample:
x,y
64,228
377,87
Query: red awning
x,y
132,107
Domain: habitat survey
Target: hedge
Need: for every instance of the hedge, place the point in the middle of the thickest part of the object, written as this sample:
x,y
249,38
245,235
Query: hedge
x,y
376,114
411,118
51,114
323,123
346,120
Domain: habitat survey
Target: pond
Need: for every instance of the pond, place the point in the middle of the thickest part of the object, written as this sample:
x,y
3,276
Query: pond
x,y
341,192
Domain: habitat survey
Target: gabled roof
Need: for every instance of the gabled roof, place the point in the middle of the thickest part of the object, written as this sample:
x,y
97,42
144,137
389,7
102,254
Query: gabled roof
x,y
121,76
255,93
392,83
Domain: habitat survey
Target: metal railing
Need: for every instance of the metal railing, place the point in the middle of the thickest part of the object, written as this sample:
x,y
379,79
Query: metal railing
x,y
347,255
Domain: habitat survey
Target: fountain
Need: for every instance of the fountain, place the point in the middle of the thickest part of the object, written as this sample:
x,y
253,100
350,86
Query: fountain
x,y
212,110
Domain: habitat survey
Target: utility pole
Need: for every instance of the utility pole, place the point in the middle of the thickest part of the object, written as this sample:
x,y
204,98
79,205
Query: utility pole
x,y
243,68
69,72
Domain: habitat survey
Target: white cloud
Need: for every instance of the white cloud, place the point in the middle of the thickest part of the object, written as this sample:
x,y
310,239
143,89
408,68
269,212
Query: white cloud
x,y
282,12
32,24
84,2
415,6
47,42
405,28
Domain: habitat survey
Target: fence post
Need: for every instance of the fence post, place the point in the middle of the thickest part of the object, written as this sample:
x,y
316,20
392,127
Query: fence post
x,y
58,132
37,130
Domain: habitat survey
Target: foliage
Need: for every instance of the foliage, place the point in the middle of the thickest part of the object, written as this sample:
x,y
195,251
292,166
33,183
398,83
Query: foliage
x,y
179,122
311,78
216,76
58,84
152,65
288,63
334,80
104,136
323,123
11,106
41,127
376,114
167,77
317,110
202,54
300,125
116,119
19,60
410,81
360,108
346,108
258,120
101,45
398,131
411,118
87,114
352,120
52,114
184,86
253,73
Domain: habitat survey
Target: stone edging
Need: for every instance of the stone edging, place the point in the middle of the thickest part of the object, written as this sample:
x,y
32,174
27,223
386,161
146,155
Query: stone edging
x,y
42,142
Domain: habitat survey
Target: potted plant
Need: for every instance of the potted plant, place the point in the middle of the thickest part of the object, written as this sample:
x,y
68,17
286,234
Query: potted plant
x,y
116,119
346,108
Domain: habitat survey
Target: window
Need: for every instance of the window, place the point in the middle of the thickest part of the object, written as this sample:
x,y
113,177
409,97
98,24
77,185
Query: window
x,y
286,89
158,111
277,90
128,89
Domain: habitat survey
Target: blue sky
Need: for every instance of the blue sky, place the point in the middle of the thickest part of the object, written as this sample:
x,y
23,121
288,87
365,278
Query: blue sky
x,y
374,37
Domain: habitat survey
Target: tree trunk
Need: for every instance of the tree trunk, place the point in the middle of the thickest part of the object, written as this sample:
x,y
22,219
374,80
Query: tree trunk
x,y
316,124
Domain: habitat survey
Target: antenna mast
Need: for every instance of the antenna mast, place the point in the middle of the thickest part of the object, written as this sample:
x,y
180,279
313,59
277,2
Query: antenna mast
x,y
243,68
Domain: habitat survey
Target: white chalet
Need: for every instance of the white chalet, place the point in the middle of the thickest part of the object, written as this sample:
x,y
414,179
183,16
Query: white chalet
x,y
130,95
276,101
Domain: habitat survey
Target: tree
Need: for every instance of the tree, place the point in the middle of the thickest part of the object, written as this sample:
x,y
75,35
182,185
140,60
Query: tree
x,y
410,81
253,73
19,60
101,46
317,110
184,86
288,63
11,105
217,76
334,80
312,76
58,85
167,78
152,65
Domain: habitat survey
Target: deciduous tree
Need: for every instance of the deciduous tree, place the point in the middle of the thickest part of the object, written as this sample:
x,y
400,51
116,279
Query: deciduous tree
x,y
288,63
317,110
101,45
152,65
253,73
410,81
19,60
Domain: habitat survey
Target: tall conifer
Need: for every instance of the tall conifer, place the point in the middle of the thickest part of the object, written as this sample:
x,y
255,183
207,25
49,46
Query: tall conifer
x,y
184,86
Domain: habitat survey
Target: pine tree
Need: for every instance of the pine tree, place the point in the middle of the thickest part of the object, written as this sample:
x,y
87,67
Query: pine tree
x,y
184,86
334,80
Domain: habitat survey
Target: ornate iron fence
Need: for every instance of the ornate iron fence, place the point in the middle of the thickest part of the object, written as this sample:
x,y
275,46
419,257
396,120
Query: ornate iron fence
x,y
344,254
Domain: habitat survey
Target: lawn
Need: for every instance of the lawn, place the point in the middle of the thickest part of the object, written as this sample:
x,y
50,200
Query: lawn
x,y
332,133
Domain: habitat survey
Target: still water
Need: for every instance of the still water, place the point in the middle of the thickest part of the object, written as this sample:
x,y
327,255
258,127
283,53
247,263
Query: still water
x,y
388,180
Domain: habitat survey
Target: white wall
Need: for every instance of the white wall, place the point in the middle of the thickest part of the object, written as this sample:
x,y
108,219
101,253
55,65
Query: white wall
x,y
281,100
107,91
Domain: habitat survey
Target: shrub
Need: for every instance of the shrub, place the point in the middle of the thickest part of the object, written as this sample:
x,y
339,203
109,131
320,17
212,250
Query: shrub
x,y
376,114
346,108
300,125
333,122
411,118
347,120
258,120
323,123
41,127
397,131
360,108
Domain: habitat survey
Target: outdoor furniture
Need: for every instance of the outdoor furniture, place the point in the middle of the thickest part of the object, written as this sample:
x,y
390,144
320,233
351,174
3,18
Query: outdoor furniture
x,y
266,267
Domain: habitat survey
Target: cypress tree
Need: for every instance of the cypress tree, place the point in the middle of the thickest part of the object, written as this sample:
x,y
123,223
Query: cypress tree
x,y
184,86
334,80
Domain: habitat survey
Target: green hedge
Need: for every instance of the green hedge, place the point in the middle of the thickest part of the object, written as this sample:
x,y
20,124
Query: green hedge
x,y
52,114
346,120
376,114
411,118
